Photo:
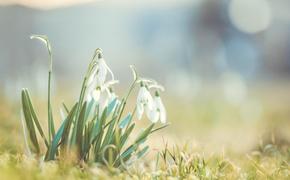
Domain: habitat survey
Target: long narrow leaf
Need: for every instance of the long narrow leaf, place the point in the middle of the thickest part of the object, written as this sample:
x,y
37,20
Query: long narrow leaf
x,y
143,135
125,121
29,122
35,118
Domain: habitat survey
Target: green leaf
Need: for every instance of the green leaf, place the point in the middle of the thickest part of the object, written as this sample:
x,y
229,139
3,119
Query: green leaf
x,y
157,129
65,107
112,106
142,152
109,133
55,141
125,121
127,153
126,134
29,122
80,127
89,108
99,130
68,124
143,135
35,118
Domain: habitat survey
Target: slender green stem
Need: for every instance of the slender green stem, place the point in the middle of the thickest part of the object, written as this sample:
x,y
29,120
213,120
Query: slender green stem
x,y
51,129
81,98
124,101
49,110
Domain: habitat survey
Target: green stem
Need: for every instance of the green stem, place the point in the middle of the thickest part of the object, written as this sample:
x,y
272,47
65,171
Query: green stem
x,y
124,101
81,98
51,129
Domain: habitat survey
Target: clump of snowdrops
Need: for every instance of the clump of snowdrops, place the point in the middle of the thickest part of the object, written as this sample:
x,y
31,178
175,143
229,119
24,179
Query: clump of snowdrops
x,y
96,129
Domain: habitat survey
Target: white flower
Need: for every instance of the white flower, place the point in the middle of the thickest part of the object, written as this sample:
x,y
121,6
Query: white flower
x,y
96,81
144,101
99,73
158,111
96,94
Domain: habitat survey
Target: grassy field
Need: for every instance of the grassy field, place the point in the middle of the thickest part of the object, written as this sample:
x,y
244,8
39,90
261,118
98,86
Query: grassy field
x,y
209,138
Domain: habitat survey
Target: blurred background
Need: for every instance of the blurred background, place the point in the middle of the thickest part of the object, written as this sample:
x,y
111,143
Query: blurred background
x,y
225,64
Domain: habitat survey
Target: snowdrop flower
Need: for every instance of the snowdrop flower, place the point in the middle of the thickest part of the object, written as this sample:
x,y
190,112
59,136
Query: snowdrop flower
x,y
144,101
96,81
96,94
101,70
158,110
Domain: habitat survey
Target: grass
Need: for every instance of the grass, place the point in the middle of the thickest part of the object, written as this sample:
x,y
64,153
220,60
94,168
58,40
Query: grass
x,y
267,157
182,162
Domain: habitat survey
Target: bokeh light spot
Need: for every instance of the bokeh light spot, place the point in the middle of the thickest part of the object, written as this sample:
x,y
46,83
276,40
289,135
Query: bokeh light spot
x,y
250,16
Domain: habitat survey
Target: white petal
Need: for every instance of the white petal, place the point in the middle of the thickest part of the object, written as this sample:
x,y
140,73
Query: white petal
x,y
159,105
149,100
89,98
103,101
90,88
102,72
141,95
152,115
96,94
163,115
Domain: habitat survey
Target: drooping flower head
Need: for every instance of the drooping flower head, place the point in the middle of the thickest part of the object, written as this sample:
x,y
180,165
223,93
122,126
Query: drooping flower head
x,y
154,108
158,110
144,101
96,83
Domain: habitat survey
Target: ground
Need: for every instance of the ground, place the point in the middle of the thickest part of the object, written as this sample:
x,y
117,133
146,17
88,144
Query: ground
x,y
209,138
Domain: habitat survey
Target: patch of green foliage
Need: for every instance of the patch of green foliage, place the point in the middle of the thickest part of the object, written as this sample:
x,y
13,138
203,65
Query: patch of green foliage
x,y
172,163
87,133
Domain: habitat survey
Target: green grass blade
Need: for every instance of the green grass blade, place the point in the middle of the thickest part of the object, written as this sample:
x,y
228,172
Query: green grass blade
x,y
126,134
143,135
109,134
80,128
125,156
29,122
89,109
35,118
111,106
125,121
68,124
142,152
55,142
100,131
159,128
99,123
65,107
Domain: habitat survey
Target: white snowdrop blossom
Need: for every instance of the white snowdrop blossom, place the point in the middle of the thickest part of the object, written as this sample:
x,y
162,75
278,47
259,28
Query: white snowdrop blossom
x,y
96,82
96,93
144,102
158,110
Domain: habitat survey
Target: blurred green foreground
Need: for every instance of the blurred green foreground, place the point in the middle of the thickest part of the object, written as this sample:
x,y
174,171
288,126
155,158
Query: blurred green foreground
x,y
209,138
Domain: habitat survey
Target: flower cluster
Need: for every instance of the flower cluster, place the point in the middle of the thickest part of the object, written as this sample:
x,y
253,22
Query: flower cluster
x,y
101,91
97,87
96,128
153,107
